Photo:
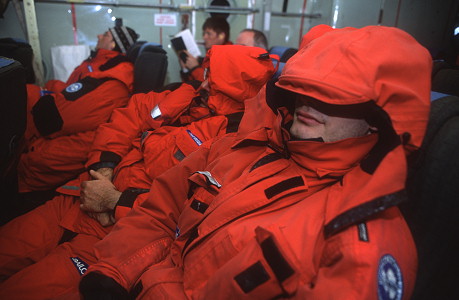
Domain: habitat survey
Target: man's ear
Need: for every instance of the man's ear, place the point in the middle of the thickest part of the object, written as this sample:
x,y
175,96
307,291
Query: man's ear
x,y
113,45
221,35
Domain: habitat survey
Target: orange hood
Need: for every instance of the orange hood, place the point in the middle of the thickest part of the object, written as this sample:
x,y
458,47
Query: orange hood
x,y
314,33
235,73
375,63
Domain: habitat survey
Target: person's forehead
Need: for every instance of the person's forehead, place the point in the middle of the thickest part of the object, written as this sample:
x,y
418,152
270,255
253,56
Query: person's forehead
x,y
245,36
209,31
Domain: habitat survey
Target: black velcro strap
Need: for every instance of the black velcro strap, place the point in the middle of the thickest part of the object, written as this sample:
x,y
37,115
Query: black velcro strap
x,y
284,186
110,156
266,160
179,155
170,87
46,116
97,286
199,206
67,236
252,277
128,197
82,87
276,260
363,212
233,122
113,62
100,165
196,84
194,234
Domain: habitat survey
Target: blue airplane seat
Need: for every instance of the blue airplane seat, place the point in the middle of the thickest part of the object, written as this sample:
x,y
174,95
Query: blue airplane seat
x,y
279,69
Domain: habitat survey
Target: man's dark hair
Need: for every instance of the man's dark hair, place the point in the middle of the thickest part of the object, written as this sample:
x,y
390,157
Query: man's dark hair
x,y
259,38
219,25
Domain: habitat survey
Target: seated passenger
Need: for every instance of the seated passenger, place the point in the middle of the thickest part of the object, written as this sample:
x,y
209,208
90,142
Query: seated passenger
x,y
63,116
302,201
252,38
215,31
58,237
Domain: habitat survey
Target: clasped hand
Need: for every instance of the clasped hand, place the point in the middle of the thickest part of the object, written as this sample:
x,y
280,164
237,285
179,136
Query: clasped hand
x,y
99,197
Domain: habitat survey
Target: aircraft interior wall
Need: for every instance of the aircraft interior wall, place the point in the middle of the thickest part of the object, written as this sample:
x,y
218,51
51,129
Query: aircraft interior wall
x,y
283,21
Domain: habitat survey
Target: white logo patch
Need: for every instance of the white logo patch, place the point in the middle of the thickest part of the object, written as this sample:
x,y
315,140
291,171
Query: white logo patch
x,y
81,266
74,87
390,281
195,138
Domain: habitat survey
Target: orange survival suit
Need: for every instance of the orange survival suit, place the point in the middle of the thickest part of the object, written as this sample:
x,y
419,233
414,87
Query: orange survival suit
x,y
58,238
256,215
63,118
197,73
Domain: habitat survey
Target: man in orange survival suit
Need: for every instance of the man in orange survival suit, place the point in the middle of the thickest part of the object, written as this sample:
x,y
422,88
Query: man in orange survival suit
x,y
57,238
63,116
299,203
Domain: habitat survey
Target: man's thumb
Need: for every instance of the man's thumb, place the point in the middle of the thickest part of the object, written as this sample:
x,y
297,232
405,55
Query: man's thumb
x,y
97,175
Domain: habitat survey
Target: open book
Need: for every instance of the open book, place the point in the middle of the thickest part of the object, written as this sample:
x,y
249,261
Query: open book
x,y
184,40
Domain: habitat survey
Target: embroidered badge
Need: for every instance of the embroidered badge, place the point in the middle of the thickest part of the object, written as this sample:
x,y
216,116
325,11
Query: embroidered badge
x,y
195,138
390,281
81,266
74,87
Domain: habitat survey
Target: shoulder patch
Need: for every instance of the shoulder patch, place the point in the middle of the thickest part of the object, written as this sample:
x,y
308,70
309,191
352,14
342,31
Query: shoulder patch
x,y
390,281
74,87
82,87
79,264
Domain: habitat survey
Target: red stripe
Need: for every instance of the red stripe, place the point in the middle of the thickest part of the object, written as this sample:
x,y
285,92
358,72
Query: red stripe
x,y
74,24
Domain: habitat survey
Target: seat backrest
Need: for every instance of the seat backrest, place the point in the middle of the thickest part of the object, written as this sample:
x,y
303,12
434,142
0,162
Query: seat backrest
x,y
13,108
134,50
446,81
432,211
150,68
284,52
20,51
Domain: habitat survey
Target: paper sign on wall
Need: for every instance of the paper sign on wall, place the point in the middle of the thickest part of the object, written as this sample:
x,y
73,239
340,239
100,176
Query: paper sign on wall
x,y
165,20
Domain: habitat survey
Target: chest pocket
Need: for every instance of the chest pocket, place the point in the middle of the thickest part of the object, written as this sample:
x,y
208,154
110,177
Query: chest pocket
x,y
263,268
203,190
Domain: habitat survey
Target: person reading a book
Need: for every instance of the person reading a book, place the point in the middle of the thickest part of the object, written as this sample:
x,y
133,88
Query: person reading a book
x,y
215,31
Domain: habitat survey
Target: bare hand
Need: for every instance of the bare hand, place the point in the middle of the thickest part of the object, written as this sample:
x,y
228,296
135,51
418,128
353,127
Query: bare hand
x,y
106,172
105,219
98,195
191,61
